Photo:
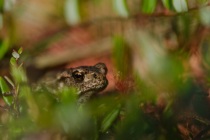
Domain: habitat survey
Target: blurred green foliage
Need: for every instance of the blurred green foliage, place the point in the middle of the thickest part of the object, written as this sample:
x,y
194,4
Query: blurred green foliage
x,y
4,47
148,6
110,118
157,69
120,6
1,6
180,5
168,4
121,56
72,12
204,16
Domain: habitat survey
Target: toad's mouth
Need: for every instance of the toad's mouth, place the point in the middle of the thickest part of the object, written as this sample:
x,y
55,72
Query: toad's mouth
x,y
94,89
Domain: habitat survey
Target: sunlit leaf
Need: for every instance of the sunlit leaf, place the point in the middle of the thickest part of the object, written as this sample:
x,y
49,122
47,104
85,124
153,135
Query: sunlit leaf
x,y
148,6
180,5
72,12
5,89
205,16
15,54
109,119
120,6
8,4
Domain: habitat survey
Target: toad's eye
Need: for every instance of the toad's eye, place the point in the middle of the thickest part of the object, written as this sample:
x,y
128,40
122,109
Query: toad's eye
x,y
95,76
78,76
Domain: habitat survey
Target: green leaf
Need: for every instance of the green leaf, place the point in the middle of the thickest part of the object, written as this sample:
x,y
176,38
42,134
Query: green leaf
x,y
4,46
18,74
168,4
20,50
148,6
69,95
5,89
1,6
4,86
121,55
33,108
120,6
110,118
12,61
180,5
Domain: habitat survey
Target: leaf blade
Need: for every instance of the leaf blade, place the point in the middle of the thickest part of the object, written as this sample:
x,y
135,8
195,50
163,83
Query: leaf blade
x,y
109,119
5,89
